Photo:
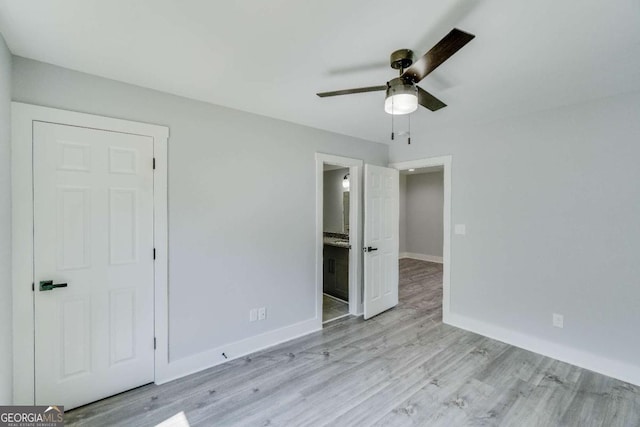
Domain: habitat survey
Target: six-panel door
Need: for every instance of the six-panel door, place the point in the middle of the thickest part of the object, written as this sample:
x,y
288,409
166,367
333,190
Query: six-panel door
x,y
93,230
381,235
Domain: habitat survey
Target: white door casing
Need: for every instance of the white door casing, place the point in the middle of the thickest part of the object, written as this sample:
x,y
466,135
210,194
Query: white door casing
x,y
381,239
93,230
445,162
25,119
355,272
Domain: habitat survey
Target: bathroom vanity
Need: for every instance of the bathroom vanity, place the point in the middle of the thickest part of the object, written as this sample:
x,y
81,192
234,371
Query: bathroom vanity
x,y
336,265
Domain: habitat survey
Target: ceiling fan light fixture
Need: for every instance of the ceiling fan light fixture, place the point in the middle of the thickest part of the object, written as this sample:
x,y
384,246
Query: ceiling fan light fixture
x,y
401,98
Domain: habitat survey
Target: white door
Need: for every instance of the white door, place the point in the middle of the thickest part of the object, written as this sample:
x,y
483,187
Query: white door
x,y
93,216
381,239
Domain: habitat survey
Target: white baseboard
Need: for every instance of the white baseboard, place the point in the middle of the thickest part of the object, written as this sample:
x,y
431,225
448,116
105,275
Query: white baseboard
x,y
421,257
207,359
600,364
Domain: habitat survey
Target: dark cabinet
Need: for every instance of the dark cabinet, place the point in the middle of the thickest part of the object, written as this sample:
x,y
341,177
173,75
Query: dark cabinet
x,y
336,272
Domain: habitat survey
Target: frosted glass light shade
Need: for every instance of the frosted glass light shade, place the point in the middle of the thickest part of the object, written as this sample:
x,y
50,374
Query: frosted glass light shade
x,y
401,103
402,97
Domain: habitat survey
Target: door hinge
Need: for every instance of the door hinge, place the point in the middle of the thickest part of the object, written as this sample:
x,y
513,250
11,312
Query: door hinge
x,y
154,253
154,343
154,162
33,287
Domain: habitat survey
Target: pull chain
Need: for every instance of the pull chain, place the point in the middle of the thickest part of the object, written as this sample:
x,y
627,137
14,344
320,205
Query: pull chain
x,y
409,137
392,114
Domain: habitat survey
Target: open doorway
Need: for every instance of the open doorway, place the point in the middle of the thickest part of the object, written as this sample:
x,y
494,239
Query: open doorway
x,y
421,233
421,218
425,224
336,247
338,231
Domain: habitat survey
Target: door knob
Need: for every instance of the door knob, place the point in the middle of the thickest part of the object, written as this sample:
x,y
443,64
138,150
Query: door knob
x,y
47,285
370,249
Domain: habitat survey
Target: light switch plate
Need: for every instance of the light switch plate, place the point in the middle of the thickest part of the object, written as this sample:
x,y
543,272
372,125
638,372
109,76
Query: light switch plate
x,y
262,313
558,320
253,315
460,229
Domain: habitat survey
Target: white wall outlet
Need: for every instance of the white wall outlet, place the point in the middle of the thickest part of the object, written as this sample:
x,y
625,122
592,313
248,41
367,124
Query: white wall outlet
x,y
253,315
558,320
262,313
460,229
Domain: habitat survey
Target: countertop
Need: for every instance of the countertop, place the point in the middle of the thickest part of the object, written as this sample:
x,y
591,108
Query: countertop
x,y
338,242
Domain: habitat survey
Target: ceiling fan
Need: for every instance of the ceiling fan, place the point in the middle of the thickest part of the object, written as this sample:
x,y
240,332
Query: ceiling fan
x,y
403,94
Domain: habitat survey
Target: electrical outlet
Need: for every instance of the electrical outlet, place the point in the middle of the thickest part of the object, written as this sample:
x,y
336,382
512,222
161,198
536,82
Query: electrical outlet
x,y
262,313
558,320
253,315
460,229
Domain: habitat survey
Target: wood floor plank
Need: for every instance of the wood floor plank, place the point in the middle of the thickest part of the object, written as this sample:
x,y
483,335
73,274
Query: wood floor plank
x,y
401,368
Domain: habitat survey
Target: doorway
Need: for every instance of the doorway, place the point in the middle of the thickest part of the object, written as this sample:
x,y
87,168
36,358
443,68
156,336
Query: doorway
x,y
425,217
378,291
338,289
336,246
89,205
421,206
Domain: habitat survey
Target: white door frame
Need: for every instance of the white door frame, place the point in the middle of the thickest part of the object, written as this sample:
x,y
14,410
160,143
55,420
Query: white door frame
x,y
355,254
444,161
23,116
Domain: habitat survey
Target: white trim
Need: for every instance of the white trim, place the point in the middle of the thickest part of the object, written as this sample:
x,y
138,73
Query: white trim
x,y
22,118
355,254
213,357
444,161
603,365
342,316
421,257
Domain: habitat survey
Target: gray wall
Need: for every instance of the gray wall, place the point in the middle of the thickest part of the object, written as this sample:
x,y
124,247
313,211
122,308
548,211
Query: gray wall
x,y
241,231
422,213
332,203
551,202
5,226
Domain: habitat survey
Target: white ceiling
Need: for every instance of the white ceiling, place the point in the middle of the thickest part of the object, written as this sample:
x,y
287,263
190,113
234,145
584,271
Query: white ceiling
x,y
271,57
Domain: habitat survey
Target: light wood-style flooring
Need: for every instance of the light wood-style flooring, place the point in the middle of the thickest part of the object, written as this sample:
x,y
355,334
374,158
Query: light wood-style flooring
x,y
333,308
401,368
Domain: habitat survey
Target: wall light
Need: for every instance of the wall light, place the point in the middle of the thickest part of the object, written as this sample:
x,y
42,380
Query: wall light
x,y
345,182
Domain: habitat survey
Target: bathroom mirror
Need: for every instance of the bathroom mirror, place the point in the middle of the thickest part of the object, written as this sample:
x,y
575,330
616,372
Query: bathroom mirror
x,y
336,200
345,212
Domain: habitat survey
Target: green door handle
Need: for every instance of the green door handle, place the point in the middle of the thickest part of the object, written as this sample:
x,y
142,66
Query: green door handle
x,y
47,285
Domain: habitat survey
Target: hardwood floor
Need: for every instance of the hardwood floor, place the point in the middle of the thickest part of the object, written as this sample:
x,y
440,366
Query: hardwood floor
x,y
401,368
332,308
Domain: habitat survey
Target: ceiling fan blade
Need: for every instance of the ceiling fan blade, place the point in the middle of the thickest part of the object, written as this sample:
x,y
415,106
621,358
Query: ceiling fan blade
x,y
429,101
350,91
442,51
